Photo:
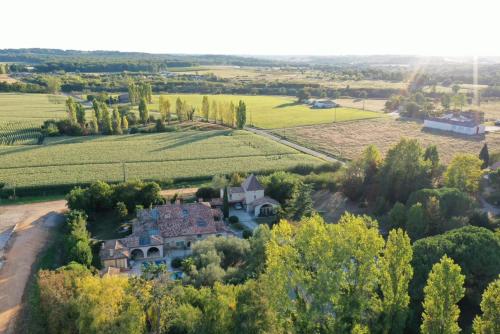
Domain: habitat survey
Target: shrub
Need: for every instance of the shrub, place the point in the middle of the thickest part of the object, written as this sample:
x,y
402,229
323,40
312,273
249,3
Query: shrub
x,y
233,220
176,262
121,210
247,234
207,193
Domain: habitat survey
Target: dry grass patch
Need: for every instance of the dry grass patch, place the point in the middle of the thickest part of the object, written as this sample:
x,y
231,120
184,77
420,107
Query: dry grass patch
x,y
348,139
6,78
369,104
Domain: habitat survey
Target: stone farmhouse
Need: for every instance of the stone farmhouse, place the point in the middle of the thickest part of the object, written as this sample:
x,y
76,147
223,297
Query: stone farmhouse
x,y
164,227
251,196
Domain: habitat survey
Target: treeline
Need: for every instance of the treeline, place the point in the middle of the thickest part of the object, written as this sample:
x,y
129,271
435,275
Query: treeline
x,y
306,277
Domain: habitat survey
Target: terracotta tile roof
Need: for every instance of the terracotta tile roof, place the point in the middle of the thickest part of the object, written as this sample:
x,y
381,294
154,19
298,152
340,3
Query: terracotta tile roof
x,y
251,184
264,200
113,249
173,220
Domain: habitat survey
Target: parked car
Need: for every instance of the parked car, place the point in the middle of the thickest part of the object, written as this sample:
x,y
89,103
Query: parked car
x,y
238,206
497,122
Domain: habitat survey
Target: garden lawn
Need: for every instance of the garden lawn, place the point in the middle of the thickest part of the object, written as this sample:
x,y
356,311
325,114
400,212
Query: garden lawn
x,y
175,155
271,112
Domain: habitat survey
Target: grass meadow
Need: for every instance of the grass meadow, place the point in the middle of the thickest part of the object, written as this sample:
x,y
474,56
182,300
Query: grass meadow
x,y
347,140
175,155
271,112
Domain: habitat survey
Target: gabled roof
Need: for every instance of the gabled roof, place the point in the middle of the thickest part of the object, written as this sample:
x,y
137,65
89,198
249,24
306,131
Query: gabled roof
x,y
113,249
251,184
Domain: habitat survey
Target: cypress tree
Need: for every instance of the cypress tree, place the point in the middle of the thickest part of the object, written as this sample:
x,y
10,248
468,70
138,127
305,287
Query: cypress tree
x,y
225,204
484,155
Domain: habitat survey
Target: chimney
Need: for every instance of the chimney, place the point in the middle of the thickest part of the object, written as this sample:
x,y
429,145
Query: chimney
x,y
178,201
111,252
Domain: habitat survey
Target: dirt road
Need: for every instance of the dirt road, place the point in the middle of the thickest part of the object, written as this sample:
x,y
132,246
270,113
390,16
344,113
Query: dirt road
x,y
34,222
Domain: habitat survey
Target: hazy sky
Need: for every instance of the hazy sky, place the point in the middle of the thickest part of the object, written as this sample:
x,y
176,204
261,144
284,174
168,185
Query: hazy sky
x,y
277,27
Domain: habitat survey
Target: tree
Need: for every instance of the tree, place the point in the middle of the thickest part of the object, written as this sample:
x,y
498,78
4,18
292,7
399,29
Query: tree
x,y
178,109
133,94
313,267
117,123
107,122
143,111
459,101
484,155
397,216
464,173
205,108
53,84
214,111
476,250
446,101
164,109
489,321
281,186
363,94
301,204
78,239
415,222
225,204
404,171
80,114
105,306
444,289
71,110
121,210
58,295
124,123
241,115
396,273
455,89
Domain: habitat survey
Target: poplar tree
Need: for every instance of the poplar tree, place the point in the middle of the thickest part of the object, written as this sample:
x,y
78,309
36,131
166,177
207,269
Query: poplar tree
x,y
178,110
143,111
117,123
124,123
213,111
396,273
71,109
80,114
489,322
205,108
444,289
241,115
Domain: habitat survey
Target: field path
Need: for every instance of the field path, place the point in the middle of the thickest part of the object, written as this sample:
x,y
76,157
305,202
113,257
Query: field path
x,y
298,147
34,222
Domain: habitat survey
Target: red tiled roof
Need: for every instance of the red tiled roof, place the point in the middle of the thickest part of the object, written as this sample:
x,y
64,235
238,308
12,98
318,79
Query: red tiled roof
x,y
251,184
173,220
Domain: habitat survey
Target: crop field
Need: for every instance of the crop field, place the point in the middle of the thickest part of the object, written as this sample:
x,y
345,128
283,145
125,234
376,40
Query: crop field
x,y
19,133
65,160
31,108
271,112
348,139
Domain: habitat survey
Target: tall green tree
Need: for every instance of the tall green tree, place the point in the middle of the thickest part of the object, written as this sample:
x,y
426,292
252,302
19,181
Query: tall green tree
x,y
164,108
241,115
213,111
301,204
205,108
404,171
484,155
489,321
225,203
464,173
396,273
117,123
444,289
80,114
71,110
107,121
179,106
143,111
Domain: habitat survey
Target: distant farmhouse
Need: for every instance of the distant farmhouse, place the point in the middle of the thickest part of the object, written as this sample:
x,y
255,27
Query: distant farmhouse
x,y
467,123
251,196
321,104
164,227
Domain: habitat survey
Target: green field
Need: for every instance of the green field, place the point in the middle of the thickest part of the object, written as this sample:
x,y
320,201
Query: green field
x,y
188,154
31,108
271,112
